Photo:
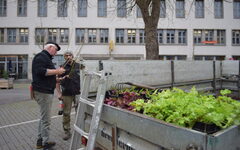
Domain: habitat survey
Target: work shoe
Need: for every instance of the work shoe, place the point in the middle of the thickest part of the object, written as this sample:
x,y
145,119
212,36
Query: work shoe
x,y
67,136
39,144
48,145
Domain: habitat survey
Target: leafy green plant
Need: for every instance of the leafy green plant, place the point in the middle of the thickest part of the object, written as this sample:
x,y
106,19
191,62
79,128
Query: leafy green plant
x,y
5,74
186,108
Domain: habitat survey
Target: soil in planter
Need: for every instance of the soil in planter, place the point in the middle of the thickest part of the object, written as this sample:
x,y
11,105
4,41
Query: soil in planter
x,y
206,128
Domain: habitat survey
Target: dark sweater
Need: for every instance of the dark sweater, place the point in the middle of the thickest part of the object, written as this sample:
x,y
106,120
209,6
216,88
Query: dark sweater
x,y
42,83
71,86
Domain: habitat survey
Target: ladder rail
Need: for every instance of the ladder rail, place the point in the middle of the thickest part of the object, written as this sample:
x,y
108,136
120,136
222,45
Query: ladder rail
x,y
79,125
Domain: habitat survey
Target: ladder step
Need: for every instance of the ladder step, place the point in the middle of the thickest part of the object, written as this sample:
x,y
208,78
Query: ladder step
x,y
87,101
80,131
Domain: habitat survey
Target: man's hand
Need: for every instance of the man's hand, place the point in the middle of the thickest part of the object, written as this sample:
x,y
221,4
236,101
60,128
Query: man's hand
x,y
60,71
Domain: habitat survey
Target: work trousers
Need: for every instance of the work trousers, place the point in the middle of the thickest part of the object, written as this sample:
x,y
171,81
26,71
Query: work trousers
x,y
45,104
67,102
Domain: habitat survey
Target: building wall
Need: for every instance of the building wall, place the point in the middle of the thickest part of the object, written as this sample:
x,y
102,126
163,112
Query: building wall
x,y
31,21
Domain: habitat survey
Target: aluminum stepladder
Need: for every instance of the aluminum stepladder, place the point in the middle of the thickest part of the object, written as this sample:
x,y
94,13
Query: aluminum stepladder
x,y
96,115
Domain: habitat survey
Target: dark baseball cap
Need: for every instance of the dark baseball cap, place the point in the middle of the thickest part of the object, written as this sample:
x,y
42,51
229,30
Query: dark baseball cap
x,y
58,47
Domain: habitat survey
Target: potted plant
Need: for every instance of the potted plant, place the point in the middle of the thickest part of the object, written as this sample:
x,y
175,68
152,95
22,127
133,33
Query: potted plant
x,y
5,81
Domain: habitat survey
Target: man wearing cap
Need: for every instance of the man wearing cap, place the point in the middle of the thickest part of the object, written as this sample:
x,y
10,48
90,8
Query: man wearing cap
x,y
43,85
68,89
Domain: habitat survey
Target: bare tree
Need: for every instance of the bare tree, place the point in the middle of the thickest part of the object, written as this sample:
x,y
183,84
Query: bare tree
x,y
150,10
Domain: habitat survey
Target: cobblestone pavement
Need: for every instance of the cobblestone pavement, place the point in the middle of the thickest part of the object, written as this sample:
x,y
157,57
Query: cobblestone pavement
x,y
19,121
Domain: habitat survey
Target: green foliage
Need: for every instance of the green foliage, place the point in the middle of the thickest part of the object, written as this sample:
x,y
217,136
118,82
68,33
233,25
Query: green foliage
x,y
186,108
5,74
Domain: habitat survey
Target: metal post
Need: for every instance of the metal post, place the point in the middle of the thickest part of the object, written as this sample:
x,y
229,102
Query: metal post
x,y
172,73
238,84
214,78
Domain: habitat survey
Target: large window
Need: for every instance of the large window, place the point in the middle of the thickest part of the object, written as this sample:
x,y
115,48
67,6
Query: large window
x,y
139,13
40,35
209,37
121,8
80,34
142,36
182,37
64,34
221,37
218,8
42,8
62,8
131,35
11,35
52,34
23,34
162,9
180,9
199,9
236,9
102,8
3,8
170,36
236,37
160,36
1,35
119,35
82,8
92,36
103,35
22,8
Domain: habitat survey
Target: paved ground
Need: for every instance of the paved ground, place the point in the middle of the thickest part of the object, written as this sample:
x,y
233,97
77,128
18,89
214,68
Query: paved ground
x,y
19,120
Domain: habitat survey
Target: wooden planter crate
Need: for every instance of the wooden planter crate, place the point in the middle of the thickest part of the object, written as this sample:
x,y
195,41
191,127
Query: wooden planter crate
x,y
6,83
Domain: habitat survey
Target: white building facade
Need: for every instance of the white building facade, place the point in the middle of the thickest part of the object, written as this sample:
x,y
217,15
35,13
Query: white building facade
x,y
187,30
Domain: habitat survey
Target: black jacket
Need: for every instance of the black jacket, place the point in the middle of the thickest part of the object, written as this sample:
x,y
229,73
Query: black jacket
x,y
42,83
71,86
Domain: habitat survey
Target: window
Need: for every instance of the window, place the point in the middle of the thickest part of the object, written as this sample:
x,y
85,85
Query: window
x,y
180,9
119,35
64,34
236,37
197,36
42,8
218,9
142,36
22,8
92,36
52,35
121,8
62,8
1,35
102,8
162,9
11,35
103,35
160,36
139,13
208,35
23,35
80,35
3,8
170,36
221,37
40,35
236,9
82,8
199,9
182,37
131,35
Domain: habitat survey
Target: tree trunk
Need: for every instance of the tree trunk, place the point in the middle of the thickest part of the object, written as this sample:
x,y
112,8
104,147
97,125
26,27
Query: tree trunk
x,y
150,10
152,47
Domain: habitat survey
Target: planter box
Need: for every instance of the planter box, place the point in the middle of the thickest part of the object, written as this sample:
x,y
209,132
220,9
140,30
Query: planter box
x,y
6,83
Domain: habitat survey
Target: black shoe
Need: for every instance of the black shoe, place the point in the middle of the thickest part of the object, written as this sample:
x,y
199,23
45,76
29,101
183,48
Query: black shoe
x,y
67,136
39,144
48,145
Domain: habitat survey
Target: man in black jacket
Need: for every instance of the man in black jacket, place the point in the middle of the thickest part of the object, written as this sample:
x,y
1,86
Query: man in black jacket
x,y
43,85
68,89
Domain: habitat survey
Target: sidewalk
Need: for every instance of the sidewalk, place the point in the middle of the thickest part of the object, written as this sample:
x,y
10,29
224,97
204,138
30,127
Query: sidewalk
x,y
19,120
